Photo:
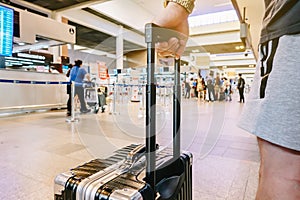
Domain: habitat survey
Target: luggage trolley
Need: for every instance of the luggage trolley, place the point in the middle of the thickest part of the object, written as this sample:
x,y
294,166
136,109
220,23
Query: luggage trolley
x,y
91,95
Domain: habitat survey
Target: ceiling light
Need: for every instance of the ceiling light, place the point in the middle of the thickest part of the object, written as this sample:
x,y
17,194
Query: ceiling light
x,y
223,4
239,47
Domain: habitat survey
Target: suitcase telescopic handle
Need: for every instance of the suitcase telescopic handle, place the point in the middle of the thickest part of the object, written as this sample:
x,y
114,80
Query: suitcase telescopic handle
x,y
176,110
153,34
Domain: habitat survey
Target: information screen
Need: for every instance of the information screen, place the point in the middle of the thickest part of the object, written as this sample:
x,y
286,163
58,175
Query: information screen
x,y
6,30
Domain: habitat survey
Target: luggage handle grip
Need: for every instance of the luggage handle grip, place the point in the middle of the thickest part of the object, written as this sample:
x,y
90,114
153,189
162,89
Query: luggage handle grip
x,y
138,152
155,33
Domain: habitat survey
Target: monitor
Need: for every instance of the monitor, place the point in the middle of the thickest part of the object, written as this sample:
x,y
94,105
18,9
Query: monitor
x,y
6,30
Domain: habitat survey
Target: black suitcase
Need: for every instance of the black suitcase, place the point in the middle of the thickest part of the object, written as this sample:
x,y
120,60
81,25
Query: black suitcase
x,y
137,172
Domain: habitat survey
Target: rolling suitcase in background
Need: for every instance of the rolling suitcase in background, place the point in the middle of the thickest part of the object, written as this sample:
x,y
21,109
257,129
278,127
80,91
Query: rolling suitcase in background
x,y
137,172
222,96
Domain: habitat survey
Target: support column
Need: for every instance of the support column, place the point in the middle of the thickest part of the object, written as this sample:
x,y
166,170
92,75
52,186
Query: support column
x,y
64,48
119,49
55,50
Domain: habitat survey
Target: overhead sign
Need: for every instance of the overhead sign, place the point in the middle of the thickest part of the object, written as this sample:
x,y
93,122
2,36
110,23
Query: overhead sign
x,y
6,30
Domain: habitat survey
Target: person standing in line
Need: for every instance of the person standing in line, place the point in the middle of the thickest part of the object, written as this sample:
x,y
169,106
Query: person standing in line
x,y
77,75
187,89
210,91
273,120
195,85
69,90
241,88
200,87
227,89
218,85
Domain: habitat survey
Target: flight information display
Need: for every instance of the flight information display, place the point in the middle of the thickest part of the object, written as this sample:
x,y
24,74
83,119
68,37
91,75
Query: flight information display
x,y
6,30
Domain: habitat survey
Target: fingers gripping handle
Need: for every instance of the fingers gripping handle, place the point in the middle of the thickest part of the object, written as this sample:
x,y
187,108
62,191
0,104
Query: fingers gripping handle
x,y
155,33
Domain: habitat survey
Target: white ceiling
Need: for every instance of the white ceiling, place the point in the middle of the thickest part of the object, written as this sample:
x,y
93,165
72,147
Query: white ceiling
x,y
136,13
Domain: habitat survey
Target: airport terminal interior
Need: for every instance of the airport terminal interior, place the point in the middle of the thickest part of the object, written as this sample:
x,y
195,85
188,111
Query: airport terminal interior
x,y
39,139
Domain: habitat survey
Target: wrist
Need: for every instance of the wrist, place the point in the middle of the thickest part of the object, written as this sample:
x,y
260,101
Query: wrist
x,y
173,16
188,5
178,8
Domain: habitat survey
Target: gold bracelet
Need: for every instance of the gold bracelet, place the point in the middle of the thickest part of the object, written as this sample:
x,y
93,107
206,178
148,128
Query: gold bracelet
x,y
187,4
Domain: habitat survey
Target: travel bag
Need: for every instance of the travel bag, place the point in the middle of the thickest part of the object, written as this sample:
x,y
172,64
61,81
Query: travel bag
x,y
137,172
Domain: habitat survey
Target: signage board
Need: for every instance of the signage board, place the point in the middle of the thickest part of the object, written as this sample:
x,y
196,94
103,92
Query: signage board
x,y
6,30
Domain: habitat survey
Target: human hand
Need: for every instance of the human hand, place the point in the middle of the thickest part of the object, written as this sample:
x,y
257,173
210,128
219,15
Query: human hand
x,y
173,17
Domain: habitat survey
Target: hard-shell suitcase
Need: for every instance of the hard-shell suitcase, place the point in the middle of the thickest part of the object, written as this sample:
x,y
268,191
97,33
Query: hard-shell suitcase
x,y
137,172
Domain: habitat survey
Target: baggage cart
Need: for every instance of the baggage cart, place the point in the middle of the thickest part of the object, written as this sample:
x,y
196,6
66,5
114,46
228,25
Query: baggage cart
x,y
91,95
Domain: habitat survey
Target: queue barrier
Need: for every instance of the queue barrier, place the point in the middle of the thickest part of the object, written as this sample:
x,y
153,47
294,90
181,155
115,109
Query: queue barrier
x,y
34,82
115,90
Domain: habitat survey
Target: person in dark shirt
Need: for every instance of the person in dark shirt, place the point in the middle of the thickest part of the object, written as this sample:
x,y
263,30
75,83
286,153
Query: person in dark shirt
x,y
69,91
241,88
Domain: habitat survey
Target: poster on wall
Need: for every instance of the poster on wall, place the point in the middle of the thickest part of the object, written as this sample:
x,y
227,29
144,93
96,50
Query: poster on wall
x,y
102,71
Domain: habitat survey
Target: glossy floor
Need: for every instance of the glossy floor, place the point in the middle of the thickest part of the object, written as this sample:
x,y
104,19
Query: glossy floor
x,y
35,147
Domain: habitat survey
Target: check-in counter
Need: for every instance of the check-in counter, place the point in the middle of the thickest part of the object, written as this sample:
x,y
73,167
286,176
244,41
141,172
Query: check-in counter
x,y
27,91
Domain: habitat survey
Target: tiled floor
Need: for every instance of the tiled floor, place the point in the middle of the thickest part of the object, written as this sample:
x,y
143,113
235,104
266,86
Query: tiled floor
x,y
35,147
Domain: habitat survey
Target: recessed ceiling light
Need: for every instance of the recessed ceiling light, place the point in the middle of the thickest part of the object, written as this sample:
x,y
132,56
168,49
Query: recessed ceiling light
x,y
223,4
239,47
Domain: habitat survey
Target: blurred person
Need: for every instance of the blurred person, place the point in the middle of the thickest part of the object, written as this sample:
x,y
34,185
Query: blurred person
x,y
187,89
78,74
241,88
201,88
195,86
218,85
275,121
69,90
227,89
210,89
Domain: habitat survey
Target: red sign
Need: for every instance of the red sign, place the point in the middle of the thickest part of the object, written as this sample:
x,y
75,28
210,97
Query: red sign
x,y
102,71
